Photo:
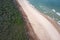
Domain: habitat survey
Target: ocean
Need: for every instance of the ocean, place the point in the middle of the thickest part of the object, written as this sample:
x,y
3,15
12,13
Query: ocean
x,y
48,7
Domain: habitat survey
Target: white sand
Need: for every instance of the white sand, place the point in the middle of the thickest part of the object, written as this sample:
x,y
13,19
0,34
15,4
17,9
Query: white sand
x,y
41,26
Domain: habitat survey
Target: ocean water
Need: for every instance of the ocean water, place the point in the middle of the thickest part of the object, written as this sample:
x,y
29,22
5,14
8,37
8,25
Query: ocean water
x,y
48,7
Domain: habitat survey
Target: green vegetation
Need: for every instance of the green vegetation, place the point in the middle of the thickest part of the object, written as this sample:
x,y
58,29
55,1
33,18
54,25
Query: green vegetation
x,y
11,22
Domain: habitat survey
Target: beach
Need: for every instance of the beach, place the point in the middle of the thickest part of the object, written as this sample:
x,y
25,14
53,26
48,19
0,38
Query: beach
x,y
44,29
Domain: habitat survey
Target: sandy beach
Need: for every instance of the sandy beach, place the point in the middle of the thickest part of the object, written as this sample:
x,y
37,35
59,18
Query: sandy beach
x,y
44,28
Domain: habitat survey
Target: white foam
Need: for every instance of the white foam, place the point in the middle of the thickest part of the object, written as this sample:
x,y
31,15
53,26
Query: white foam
x,y
58,13
53,10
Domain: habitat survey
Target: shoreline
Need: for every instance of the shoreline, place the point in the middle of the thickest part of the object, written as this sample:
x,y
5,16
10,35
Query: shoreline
x,y
34,24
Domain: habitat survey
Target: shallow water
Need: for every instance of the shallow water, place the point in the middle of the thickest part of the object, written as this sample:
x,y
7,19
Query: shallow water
x,y
48,7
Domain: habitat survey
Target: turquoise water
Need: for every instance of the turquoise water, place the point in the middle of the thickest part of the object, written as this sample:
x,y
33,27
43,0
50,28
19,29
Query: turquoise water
x,y
48,7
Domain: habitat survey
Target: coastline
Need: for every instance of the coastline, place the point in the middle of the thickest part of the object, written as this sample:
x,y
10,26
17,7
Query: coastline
x,y
34,25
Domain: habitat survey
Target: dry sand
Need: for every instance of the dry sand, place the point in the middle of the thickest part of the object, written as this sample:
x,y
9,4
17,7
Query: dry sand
x,y
43,28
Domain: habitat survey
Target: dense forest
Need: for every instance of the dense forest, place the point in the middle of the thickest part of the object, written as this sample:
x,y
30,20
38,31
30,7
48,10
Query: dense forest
x,y
11,22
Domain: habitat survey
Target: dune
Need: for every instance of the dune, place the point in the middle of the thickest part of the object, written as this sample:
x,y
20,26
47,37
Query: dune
x,y
43,26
